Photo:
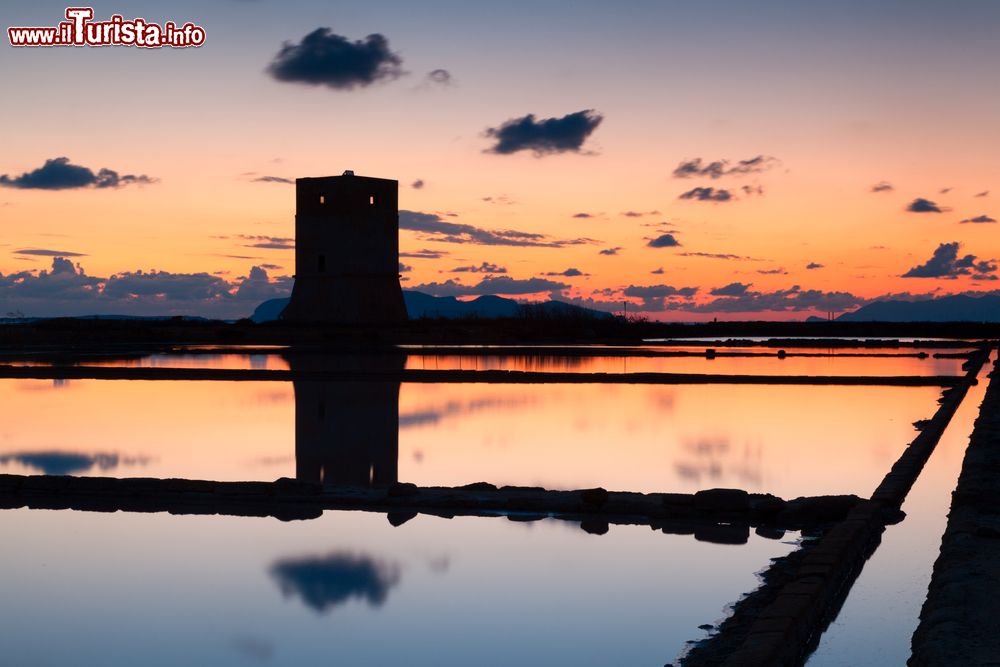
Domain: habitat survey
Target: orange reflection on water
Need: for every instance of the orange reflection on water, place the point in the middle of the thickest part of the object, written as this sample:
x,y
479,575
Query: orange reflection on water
x,y
197,430
785,440
720,365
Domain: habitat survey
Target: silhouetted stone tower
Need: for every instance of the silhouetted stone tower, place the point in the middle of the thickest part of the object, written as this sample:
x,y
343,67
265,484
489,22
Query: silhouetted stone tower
x,y
346,251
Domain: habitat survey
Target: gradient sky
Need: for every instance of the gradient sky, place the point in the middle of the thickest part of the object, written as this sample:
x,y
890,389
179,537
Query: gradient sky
x,y
840,96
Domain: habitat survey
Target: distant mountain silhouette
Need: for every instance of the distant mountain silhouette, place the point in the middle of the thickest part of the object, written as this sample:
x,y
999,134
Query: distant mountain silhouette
x,y
420,305
956,308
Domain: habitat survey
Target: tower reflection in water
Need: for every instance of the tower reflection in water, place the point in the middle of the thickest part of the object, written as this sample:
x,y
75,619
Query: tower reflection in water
x,y
347,432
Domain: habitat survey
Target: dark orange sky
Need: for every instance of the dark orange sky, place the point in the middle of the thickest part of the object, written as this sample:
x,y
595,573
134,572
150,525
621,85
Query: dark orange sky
x,y
581,148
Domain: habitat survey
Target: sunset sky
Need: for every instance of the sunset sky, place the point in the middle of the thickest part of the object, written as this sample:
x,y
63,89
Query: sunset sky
x,y
768,160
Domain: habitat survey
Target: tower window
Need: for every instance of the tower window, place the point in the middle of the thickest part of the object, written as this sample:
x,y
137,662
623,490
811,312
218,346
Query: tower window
x,y
371,200
322,199
321,264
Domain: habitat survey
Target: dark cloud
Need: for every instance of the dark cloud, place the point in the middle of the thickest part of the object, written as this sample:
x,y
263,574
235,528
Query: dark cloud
x,y
494,285
664,241
268,242
719,168
512,286
656,297
814,265
273,179
324,58
945,191
732,289
326,582
418,184
883,186
583,215
984,193
773,272
440,77
272,246
979,219
921,205
611,251
424,254
59,174
271,267
658,272
433,228
405,268
45,252
67,290
794,299
945,263
707,194
544,136
750,190
568,273
639,214
485,267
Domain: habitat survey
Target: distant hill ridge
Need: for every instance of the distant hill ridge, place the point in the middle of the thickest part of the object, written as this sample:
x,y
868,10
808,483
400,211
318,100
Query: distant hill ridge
x,y
420,305
954,308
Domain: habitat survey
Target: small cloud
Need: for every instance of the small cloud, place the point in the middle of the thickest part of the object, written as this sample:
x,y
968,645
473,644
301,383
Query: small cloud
x,y
945,191
773,272
715,255
500,200
433,228
485,267
568,273
418,184
324,58
979,219
883,186
921,205
45,252
59,174
658,272
984,193
583,216
544,136
664,241
273,179
814,265
440,77
707,194
639,214
268,242
405,268
424,254
719,168
732,289
611,251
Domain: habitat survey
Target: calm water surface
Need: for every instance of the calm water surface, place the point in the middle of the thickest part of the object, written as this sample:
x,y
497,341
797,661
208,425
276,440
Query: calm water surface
x,y
882,610
785,440
349,589
827,362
